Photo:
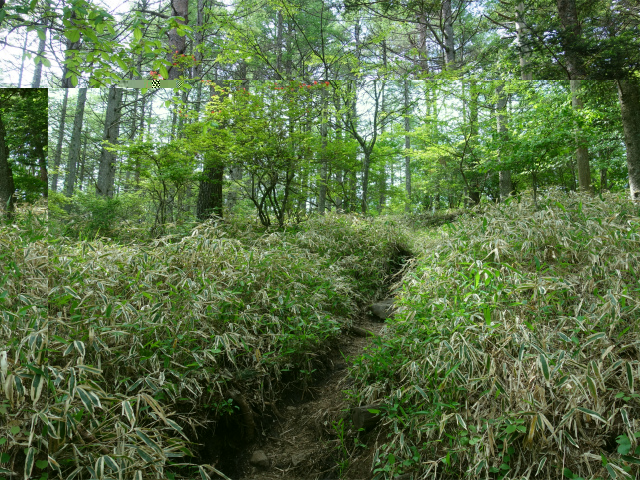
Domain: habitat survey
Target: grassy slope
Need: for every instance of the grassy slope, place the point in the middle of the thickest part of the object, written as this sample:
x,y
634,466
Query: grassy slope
x,y
516,351
151,341
23,342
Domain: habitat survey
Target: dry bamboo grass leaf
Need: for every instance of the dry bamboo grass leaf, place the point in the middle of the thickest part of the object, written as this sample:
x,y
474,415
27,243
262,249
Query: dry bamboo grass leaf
x,y
552,310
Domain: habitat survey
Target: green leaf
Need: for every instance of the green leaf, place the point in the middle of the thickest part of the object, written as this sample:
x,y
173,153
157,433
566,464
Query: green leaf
x,y
91,35
612,473
121,63
593,338
45,62
145,438
629,376
111,463
592,388
42,464
624,444
41,34
74,80
545,366
591,413
137,34
634,460
163,72
73,34
127,411
28,464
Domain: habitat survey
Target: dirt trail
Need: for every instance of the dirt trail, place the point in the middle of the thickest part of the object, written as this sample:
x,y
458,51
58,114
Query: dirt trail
x,y
302,443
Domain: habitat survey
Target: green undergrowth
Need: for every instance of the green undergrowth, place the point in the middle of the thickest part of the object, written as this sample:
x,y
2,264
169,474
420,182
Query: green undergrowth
x,y
515,353
23,343
149,342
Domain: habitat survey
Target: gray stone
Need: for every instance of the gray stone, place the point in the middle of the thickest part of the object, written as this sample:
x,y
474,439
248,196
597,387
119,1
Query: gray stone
x,y
259,459
383,309
297,459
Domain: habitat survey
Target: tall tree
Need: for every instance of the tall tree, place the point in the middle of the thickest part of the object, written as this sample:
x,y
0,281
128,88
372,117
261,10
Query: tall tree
x,y
407,146
7,187
74,146
629,95
210,199
504,174
177,39
107,167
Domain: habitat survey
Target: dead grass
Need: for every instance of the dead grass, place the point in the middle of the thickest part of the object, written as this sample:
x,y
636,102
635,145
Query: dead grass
x,y
516,353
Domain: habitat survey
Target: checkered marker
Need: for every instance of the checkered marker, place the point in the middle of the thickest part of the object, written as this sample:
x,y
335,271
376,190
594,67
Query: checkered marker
x,y
155,83
178,83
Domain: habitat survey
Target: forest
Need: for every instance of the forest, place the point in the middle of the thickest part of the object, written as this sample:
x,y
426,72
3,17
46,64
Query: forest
x,y
337,240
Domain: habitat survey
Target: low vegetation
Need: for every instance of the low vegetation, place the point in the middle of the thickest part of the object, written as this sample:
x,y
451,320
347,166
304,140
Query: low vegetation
x,y
150,343
515,354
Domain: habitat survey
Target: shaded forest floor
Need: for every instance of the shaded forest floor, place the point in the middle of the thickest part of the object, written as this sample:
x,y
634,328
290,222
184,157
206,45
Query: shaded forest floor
x,y
304,438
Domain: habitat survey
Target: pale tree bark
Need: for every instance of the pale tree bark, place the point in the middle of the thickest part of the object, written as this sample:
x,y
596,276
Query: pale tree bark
x,y
58,154
74,146
107,168
37,72
447,30
279,44
407,147
83,162
582,153
522,35
629,96
571,39
177,43
382,178
504,175
473,185
7,187
322,195
24,50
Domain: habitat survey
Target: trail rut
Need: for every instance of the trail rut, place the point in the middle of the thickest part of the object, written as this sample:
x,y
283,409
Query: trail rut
x,y
303,443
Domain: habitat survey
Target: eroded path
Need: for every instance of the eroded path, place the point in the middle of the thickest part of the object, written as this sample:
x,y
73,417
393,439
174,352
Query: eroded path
x,y
303,443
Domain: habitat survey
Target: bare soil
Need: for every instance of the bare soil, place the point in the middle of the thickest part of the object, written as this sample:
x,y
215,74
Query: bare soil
x,y
303,444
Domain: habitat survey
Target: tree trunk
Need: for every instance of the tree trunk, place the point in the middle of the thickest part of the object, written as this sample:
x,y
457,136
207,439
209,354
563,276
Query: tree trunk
x,y
74,146
210,192
322,195
37,72
447,30
24,50
504,175
177,43
107,169
279,44
7,187
522,35
83,162
629,95
365,179
582,153
474,187
210,200
58,154
407,146
571,38
603,180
